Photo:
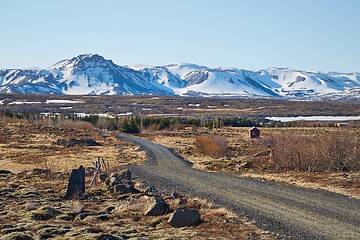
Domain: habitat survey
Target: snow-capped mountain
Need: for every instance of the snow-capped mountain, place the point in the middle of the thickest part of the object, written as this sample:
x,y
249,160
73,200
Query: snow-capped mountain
x,y
92,74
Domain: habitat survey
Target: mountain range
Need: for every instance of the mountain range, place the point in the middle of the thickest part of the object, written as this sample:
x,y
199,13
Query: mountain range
x,y
91,74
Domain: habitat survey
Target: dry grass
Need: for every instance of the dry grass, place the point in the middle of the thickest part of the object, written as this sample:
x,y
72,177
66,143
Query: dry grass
x,y
25,146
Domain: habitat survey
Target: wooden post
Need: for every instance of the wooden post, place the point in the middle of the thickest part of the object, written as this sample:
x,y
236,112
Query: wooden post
x,y
97,170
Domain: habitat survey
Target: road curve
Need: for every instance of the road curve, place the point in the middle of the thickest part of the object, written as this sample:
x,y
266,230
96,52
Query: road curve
x,y
290,212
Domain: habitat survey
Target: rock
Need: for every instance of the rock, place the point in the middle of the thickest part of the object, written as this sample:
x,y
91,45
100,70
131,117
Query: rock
x,y
148,205
246,165
6,172
144,185
125,175
183,217
113,181
182,201
158,207
120,189
151,190
175,195
103,177
76,186
16,236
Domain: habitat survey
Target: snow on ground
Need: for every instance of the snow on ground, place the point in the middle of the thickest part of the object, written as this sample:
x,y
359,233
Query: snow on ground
x,y
194,105
23,102
103,115
181,70
314,118
2,101
124,114
62,101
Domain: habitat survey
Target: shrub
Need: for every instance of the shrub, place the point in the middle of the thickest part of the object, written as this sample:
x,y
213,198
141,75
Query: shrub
x,y
213,146
75,124
334,152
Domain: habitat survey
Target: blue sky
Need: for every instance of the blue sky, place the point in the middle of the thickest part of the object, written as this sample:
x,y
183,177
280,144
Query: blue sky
x,y
308,34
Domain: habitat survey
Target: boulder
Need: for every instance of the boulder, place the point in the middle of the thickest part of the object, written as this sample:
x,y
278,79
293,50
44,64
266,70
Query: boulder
x,y
123,189
76,185
148,205
183,217
120,189
151,190
125,175
175,195
158,207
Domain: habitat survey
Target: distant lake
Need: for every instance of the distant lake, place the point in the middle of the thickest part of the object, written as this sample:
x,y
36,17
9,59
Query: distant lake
x,y
314,118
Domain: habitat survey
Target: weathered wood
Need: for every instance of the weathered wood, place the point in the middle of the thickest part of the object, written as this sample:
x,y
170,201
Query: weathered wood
x,y
97,170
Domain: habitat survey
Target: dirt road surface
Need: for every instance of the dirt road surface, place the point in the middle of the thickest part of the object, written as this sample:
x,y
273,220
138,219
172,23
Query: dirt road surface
x,y
289,212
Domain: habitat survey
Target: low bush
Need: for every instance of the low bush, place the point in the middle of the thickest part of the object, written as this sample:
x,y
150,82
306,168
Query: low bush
x,y
211,145
75,124
334,152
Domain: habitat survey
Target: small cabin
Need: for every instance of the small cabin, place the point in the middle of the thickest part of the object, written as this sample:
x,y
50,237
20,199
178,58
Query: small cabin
x,y
254,132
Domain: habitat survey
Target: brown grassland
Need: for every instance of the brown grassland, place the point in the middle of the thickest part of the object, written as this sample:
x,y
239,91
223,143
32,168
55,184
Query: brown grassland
x,y
31,204
311,156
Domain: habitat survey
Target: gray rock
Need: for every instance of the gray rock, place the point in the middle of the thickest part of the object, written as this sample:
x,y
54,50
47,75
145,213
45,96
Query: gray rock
x,y
76,186
113,181
159,207
246,165
175,195
103,177
6,172
183,217
120,189
151,190
125,175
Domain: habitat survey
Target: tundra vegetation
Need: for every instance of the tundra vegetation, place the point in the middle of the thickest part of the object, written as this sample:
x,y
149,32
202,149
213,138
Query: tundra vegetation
x,y
310,154
37,156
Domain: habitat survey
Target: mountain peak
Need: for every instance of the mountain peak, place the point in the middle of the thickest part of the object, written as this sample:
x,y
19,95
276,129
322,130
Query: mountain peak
x,y
83,61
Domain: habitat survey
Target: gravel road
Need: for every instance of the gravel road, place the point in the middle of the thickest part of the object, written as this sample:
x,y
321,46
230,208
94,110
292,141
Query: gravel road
x,y
289,212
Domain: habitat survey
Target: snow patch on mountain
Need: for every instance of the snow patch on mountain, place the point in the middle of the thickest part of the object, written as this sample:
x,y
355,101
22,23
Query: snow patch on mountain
x,y
93,74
